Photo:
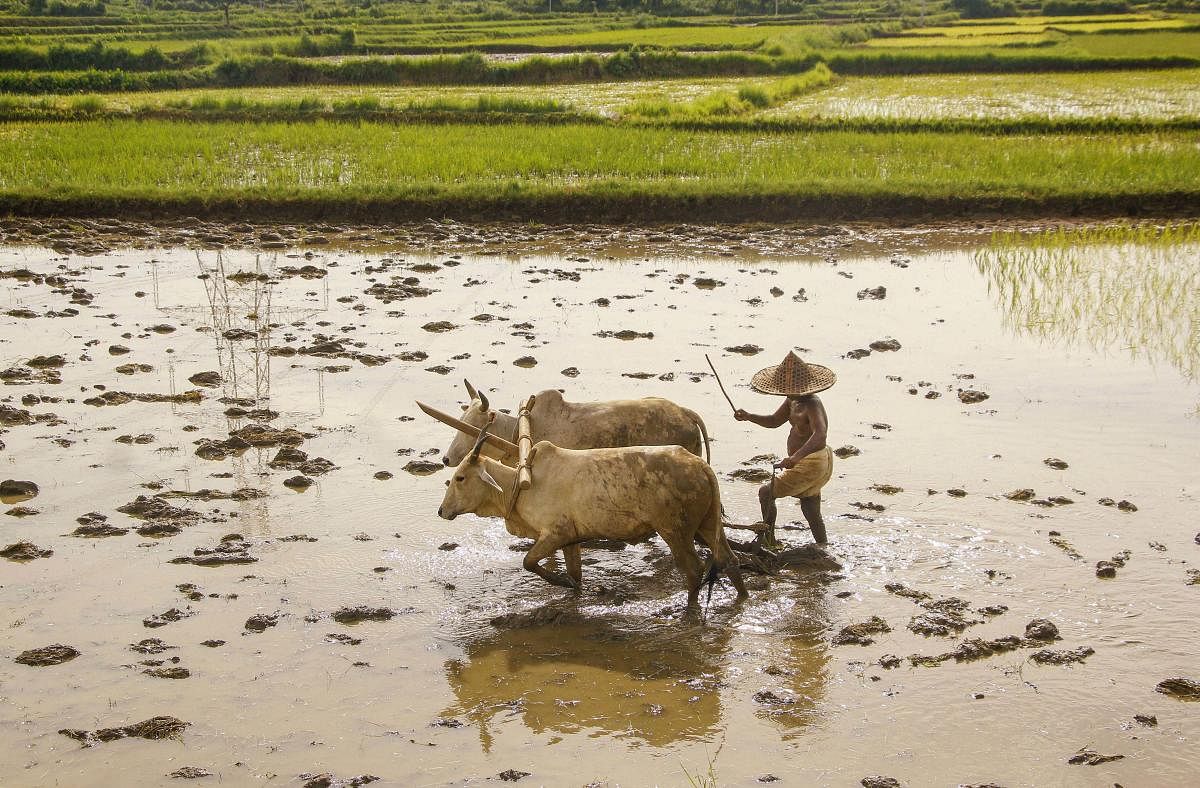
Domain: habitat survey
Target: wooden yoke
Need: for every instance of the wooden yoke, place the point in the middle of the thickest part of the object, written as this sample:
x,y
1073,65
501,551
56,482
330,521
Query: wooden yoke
x,y
508,447
524,445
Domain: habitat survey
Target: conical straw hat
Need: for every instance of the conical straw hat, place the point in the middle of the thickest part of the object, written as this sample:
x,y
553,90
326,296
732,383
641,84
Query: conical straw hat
x,y
794,377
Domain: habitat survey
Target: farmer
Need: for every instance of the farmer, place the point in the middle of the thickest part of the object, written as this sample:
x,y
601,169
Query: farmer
x,y
809,463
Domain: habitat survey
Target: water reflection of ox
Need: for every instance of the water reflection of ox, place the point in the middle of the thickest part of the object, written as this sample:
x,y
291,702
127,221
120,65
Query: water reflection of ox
x,y
642,679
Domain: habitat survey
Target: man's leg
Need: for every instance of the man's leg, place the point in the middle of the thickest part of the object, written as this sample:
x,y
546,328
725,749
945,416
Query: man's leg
x,y
811,506
766,501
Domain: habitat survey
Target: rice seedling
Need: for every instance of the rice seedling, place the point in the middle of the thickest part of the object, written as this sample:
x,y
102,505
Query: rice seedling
x,y
1126,288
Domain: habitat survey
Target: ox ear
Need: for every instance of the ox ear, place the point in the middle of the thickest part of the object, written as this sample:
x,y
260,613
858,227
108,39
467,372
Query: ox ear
x,y
470,389
487,479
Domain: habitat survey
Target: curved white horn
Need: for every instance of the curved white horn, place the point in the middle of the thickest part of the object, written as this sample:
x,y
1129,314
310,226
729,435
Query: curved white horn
x,y
470,388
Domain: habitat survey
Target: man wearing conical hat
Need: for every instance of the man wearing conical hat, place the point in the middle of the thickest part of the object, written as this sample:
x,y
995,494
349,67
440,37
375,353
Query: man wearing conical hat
x,y
809,462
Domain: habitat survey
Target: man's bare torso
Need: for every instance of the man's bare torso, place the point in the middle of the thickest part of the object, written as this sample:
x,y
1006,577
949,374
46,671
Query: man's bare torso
x,y
801,421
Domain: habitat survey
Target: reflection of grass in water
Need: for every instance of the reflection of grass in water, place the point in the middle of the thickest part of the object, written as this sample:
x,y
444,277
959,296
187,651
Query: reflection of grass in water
x,y
1135,288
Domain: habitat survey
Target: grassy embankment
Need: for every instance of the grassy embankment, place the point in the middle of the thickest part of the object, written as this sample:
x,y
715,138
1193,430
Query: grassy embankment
x,y
387,171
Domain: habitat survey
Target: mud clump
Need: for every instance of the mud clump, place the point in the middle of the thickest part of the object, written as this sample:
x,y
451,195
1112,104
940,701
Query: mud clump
x,y
876,781
168,617
873,293
327,780
174,672
25,551
847,451
744,350
1023,494
860,634
265,435
232,549
754,475
22,511
206,380
884,345
356,615
15,488
1086,757
1041,629
1179,687
190,773
512,775
146,507
972,396
192,396
150,646
47,655
293,459
155,728
899,589
1051,657
1055,463
261,622
422,467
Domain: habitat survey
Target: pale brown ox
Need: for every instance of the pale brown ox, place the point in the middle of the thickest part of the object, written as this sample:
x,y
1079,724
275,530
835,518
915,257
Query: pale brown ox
x,y
625,493
652,421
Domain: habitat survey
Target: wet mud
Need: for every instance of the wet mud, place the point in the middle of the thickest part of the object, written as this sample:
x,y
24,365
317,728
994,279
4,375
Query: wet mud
x,y
203,428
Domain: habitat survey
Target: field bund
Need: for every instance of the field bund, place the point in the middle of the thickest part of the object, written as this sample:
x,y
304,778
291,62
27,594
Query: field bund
x,y
562,172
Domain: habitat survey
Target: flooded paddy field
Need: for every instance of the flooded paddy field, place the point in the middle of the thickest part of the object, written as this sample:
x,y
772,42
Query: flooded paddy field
x,y
1020,461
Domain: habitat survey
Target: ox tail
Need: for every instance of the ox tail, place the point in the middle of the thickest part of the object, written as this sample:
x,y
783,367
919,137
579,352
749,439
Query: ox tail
x,y
699,422
712,531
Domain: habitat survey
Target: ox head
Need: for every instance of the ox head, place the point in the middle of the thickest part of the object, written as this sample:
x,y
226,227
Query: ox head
x,y
476,414
472,487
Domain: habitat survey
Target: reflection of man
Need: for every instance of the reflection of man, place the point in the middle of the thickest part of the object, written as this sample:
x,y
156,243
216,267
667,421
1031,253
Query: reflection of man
x,y
809,463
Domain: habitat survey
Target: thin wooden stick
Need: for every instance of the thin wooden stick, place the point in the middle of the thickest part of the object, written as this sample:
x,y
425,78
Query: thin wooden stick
x,y
718,377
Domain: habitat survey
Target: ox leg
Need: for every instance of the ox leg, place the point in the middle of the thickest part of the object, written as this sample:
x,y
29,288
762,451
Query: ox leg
x,y
544,548
574,561
684,552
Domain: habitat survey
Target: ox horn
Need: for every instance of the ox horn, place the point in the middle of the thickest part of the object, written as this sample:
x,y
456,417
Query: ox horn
x,y
479,442
470,389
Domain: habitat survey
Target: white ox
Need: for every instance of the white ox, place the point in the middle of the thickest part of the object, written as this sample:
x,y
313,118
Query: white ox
x,y
651,421
625,493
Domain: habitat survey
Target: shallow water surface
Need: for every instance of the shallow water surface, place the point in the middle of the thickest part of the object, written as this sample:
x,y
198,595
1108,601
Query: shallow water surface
x,y
484,667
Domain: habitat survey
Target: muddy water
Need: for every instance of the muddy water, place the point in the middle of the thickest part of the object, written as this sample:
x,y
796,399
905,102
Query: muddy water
x,y
485,668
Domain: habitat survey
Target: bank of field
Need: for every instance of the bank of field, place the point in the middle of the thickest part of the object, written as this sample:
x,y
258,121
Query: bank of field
x,y
580,172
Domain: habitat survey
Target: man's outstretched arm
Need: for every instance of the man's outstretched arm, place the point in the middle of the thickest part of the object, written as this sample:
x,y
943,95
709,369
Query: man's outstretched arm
x,y
776,419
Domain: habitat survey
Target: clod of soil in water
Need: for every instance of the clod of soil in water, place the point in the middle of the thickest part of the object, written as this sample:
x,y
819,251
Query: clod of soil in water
x,y
1088,757
18,490
1024,494
439,327
860,634
745,350
21,511
155,728
298,482
876,781
1051,657
383,476
117,350
162,619
168,673
887,489
1056,464
25,551
1179,687
525,362
206,379
847,451
1149,720
212,643
422,467
150,646
190,772
47,655
512,775
573,372
899,589
884,345
755,475
261,622
98,531
355,615
1041,629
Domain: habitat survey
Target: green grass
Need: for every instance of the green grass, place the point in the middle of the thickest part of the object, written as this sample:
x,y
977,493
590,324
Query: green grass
x,y
536,171
745,99
1139,44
